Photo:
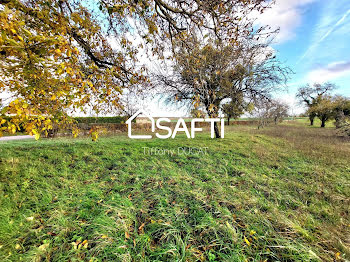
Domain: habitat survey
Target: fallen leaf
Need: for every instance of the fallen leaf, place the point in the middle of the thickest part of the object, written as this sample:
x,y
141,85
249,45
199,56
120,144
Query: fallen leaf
x,y
247,241
337,255
44,246
142,226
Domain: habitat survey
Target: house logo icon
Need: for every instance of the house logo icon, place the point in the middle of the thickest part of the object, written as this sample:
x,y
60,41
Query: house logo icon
x,y
129,121
180,126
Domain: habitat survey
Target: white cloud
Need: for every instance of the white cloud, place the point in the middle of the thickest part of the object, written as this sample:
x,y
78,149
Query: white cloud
x,y
329,23
329,72
285,14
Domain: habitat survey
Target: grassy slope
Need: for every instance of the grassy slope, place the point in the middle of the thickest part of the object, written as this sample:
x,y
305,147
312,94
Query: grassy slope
x,y
281,193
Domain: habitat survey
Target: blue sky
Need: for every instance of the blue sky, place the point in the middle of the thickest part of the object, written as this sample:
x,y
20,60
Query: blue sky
x,y
314,41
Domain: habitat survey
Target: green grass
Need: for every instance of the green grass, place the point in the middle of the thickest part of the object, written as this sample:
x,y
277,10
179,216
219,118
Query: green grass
x,y
277,194
317,122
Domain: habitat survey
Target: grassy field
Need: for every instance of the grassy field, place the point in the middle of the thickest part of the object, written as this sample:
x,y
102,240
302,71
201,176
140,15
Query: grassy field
x,y
280,193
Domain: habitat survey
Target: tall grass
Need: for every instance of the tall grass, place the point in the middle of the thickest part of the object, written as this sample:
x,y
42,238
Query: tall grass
x,y
276,194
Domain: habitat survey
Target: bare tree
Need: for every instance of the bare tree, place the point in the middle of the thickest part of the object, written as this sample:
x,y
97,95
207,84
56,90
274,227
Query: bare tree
x,y
131,102
206,75
262,111
269,111
279,111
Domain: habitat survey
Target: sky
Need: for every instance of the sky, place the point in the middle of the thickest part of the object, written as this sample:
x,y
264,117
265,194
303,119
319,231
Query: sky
x,y
314,41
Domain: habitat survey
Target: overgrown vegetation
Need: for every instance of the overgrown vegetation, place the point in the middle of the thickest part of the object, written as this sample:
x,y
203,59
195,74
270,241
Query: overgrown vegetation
x,y
277,194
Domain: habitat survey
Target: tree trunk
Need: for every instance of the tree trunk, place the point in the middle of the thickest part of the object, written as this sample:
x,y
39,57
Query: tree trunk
x,y
323,122
311,120
228,121
212,115
216,129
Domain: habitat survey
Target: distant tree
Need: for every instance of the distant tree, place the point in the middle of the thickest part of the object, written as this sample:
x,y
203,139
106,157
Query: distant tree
x,y
234,108
270,110
342,114
341,106
262,111
311,95
343,124
323,109
278,111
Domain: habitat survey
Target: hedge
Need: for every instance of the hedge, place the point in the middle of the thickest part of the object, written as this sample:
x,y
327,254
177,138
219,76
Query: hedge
x,y
101,120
